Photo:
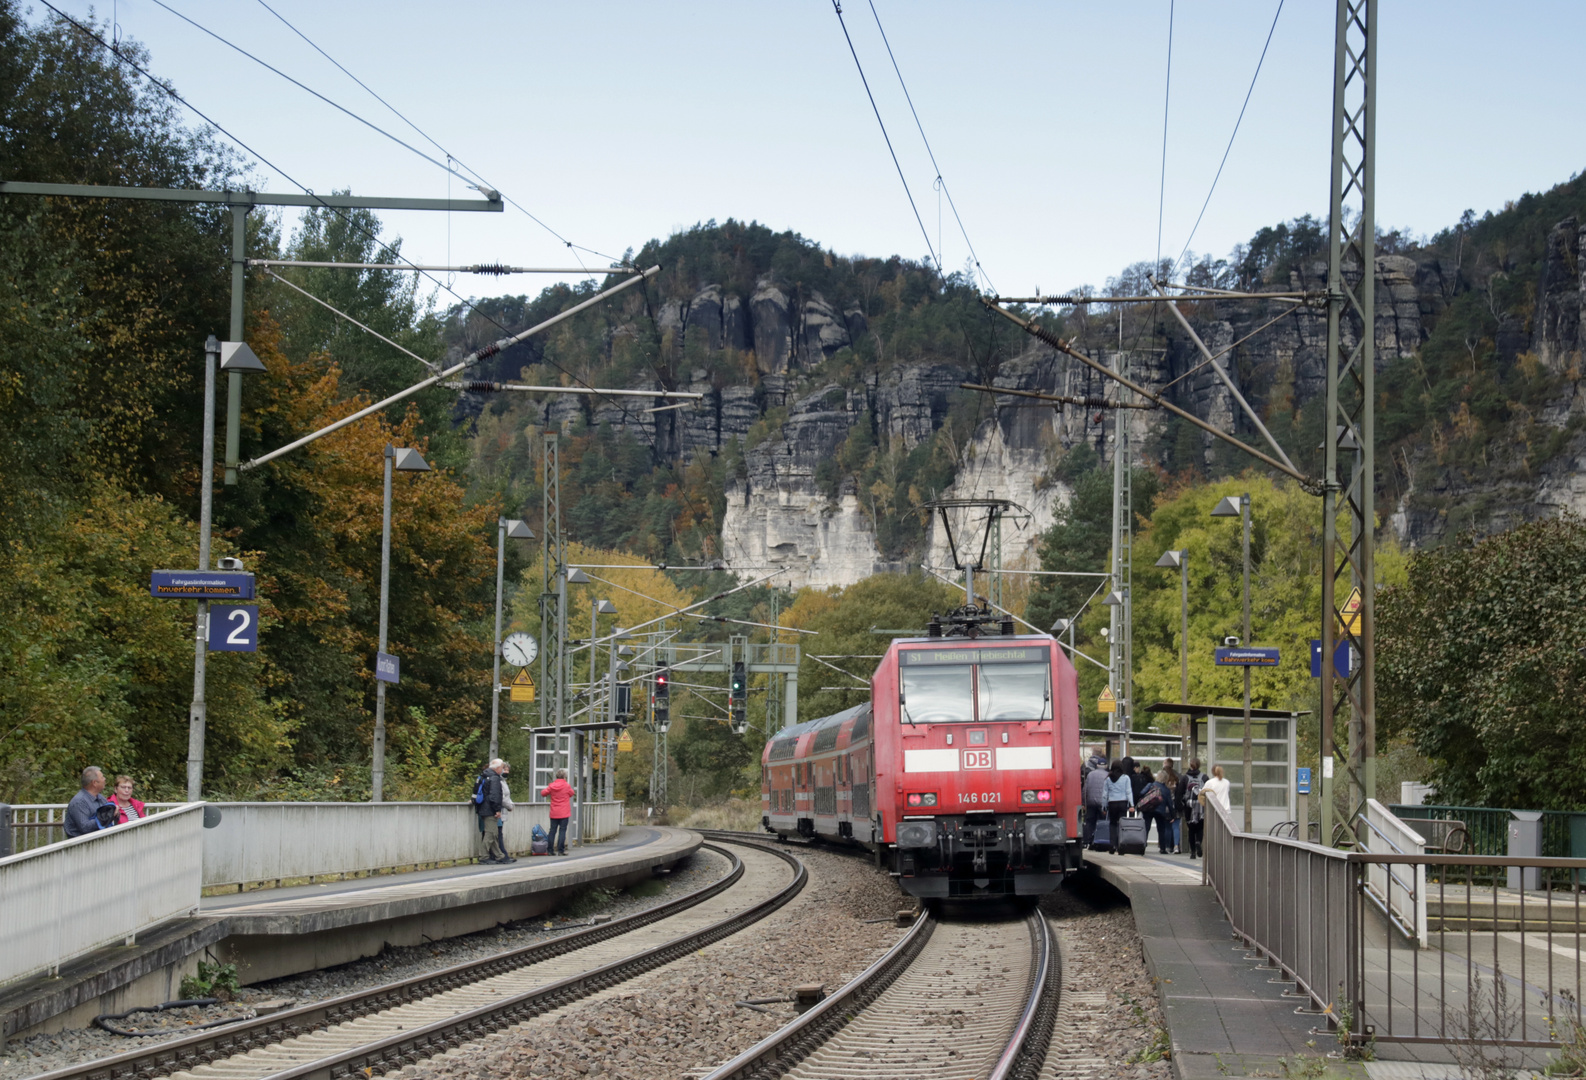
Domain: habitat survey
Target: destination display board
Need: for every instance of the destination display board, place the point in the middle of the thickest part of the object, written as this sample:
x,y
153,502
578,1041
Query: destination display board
x,y
201,585
1034,654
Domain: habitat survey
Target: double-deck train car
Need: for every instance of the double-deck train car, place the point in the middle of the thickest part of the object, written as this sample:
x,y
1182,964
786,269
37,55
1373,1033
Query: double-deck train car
x,y
961,773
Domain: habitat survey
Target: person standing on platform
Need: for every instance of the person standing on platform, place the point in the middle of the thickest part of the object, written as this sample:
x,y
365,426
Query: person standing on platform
x,y
507,806
1190,808
128,809
1120,796
487,805
1216,790
89,811
560,794
1169,779
1095,796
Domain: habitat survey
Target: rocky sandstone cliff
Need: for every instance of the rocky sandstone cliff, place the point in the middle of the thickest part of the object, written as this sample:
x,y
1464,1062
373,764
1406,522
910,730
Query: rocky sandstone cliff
x,y
779,514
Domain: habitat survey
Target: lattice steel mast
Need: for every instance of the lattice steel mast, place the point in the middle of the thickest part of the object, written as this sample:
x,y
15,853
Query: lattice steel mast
x,y
1349,419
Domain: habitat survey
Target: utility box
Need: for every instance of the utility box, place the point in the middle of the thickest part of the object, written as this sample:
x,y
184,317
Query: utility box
x,y
1525,842
6,847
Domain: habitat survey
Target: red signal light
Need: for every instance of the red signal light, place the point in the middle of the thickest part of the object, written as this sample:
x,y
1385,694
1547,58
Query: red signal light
x,y
914,800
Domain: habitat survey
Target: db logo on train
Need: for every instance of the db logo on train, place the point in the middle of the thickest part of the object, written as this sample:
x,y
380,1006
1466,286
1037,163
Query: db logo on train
x,y
977,759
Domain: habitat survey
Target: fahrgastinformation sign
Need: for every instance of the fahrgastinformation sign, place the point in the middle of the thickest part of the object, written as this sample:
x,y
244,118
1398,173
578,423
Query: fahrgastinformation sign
x,y
1247,658
201,585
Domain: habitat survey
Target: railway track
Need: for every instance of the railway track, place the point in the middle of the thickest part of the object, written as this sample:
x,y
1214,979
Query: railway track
x,y
974,1001
383,1029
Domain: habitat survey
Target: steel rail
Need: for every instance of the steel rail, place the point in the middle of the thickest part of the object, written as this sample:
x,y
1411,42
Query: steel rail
x,y
164,1059
793,1042
1021,1057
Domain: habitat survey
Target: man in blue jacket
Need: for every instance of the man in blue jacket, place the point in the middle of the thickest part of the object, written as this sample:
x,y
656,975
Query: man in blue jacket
x,y
82,813
487,805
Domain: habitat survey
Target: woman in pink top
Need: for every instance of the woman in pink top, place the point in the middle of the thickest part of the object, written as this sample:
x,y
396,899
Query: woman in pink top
x,y
560,793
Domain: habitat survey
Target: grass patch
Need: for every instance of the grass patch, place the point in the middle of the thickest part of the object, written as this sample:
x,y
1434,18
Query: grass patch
x,y
643,890
738,815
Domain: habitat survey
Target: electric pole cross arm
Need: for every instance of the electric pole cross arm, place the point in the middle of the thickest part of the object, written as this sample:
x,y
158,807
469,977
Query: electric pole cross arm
x,y
1309,483
466,362
250,198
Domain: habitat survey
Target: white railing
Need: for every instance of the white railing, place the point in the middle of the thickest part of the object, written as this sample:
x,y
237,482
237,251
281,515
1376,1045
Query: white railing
x,y
34,825
271,841
1399,890
68,899
600,820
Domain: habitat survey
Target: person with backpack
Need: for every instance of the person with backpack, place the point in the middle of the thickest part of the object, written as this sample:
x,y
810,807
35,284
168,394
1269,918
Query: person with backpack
x,y
1158,805
488,808
1094,790
1190,786
560,794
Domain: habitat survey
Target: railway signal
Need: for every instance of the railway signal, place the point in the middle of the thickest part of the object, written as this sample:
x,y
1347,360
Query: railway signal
x,y
660,703
739,689
740,718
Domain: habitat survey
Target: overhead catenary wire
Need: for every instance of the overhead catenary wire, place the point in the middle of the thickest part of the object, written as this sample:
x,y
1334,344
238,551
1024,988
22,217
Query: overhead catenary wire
x,y
398,113
1167,97
342,314
926,236
171,92
929,152
1230,146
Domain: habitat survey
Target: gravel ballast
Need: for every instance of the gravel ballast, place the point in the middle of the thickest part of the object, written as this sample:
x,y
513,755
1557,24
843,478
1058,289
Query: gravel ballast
x,y
682,1020
37,1054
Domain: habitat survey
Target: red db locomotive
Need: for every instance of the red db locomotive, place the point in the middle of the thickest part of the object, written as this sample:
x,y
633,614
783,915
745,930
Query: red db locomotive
x,y
961,773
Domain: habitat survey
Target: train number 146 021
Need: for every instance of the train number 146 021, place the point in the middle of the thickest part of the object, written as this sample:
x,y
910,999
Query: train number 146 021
x,y
981,797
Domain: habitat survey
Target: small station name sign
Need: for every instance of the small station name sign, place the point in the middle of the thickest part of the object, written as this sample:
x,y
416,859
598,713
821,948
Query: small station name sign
x,y
201,585
1247,658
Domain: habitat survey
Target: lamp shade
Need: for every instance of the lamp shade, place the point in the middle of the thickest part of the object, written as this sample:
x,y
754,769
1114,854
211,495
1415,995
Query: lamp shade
x,y
605,607
1229,507
1171,559
517,530
409,460
575,576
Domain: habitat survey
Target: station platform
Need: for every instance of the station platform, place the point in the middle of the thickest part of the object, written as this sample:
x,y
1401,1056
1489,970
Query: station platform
x,y
1225,1012
271,933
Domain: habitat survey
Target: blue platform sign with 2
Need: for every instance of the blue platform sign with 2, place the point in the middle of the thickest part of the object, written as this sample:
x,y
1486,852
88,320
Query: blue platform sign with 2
x,y
234,628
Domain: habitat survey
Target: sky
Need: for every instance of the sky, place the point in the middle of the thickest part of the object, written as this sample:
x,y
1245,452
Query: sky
x,y
616,122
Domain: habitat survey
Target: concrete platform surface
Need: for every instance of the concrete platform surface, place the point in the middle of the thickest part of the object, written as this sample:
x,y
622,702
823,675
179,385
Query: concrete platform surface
x,y
303,909
271,933
1225,1013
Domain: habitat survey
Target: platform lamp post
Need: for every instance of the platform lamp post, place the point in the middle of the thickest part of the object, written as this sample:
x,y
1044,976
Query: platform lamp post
x,y
1179,560
400,459
1240,508
506,529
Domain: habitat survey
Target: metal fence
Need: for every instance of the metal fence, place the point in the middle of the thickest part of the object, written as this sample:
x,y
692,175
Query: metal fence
x,y
1563,833
68,899
1500,964
1294,903
33,825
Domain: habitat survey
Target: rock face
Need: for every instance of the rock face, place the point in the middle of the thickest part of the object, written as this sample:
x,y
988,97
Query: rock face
x,y
779,515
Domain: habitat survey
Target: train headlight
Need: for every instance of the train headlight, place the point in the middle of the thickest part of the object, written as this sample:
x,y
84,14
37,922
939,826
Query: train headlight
x,y
916,834
1045,831
1036,795
920,798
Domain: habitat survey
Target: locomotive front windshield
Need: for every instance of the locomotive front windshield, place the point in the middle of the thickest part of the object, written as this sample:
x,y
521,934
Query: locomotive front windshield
x,y
1007,684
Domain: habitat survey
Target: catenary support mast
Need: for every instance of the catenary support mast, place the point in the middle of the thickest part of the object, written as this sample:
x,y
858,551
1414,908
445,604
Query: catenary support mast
x,y
1349,420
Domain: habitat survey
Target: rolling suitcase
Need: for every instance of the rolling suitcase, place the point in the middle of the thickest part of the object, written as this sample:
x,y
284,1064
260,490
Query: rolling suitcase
x,y
1131,833
1101,842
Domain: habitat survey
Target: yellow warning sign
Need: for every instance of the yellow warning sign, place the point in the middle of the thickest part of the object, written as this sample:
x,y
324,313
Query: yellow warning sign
x,y
522,690
1350,615
1107,703
625,743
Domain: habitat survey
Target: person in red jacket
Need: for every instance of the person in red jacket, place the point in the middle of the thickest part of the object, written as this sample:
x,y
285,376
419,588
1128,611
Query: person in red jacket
x,y
560,793
128,809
